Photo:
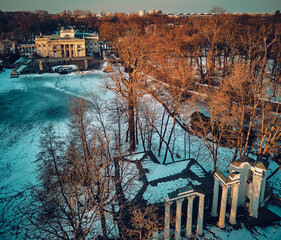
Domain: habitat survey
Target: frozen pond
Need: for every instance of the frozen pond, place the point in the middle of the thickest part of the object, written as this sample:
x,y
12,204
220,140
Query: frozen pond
x,y
27,104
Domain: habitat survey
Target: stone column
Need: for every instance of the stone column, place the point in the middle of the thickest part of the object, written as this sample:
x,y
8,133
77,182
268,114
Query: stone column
x,y
189,216
234,201
200,215
257,179
64,50
167,220
221,222
178,219
40,65
263,184
214,212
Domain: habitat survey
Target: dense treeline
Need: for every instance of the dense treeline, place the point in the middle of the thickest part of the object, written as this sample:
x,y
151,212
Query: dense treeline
x,y
23,26
234,60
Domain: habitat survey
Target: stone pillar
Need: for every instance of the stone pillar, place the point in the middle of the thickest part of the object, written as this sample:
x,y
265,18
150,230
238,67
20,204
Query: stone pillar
x,y
263,189
200,215
221,222
64,50
257,179
167,220
189,216
234,201
69,50
40,66
214,212
178,219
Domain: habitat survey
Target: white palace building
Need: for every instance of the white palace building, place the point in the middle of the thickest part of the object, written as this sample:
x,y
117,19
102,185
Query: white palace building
x,y
67,44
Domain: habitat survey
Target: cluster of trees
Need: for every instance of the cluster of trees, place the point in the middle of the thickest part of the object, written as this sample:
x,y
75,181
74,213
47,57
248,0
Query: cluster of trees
x,y
23,26
83,183
231,62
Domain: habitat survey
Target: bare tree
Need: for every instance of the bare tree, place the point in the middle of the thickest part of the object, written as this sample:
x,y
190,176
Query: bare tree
x,y
217,10
132,49
77,182
145,221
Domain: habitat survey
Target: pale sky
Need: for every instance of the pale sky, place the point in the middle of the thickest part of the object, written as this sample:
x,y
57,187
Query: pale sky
x,y
56,6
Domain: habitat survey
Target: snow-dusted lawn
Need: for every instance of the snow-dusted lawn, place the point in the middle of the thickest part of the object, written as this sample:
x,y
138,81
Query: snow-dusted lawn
x,y
257,233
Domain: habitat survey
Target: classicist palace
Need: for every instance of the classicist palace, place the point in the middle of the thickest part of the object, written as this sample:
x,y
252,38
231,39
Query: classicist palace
x,y
67,44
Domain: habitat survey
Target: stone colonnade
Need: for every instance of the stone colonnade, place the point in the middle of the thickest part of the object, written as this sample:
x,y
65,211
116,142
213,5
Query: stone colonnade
x,y
179,201
70,49
226,184
27,48
255,194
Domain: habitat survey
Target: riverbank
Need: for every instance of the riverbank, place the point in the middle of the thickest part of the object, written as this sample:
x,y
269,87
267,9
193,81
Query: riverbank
x,y
45,65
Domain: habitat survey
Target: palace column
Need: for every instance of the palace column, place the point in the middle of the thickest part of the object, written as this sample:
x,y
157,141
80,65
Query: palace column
x,y
257,179
64,50
167,220
189,216
200,215
214,212
178,219
234,201
221,222
69,50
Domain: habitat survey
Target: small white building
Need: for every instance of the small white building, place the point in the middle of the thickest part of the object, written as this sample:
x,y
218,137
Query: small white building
x,y
142,13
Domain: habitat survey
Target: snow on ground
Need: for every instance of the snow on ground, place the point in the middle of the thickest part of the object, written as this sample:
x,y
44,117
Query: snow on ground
x,y
130,180
257,233
275,180
274,208
157,194
157,171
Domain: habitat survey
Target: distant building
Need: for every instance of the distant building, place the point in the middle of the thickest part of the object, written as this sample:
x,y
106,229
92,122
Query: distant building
x,y
142,13
108,14
153,11
101,14
67,44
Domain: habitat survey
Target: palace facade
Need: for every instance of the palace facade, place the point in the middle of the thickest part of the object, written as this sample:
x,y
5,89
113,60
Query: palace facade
x,y
67,44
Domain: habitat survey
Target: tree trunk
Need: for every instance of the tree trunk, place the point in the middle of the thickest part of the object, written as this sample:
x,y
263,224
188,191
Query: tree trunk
x,y
103,223
131,122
